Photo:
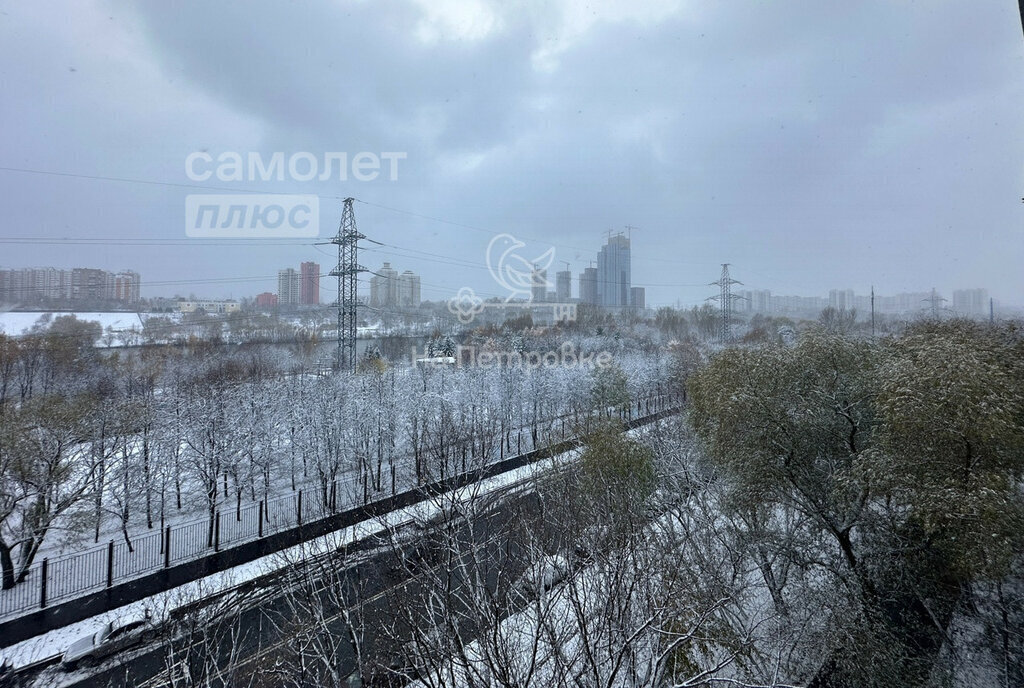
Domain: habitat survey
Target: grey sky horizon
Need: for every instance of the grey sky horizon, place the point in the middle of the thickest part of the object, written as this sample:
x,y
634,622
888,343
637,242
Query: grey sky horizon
x,y
811,145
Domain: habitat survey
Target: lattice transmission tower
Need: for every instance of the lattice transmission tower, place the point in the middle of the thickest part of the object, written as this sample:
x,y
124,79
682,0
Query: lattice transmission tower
x,y
347,272
725,299
934,302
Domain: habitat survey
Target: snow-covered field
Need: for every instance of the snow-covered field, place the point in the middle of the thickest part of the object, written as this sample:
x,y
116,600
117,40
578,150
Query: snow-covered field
x,y
83,573
16,323
53,643
274,440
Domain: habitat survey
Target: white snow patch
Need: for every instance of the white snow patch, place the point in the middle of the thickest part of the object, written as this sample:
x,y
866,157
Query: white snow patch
x,y
53,643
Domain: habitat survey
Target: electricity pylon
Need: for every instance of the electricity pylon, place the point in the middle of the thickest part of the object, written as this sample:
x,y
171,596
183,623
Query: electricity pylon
x,y
725,300
347,272
934,303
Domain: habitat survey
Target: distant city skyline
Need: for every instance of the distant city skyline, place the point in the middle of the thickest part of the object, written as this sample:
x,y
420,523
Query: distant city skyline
x,y
49,284
611,281
301,287
849,145
967,302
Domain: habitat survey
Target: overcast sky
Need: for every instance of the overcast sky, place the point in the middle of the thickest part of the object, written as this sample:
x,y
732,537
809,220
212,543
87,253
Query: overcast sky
x,y
811,144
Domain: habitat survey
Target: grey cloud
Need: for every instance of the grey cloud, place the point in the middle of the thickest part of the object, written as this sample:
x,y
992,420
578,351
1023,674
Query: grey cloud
x,y
813,144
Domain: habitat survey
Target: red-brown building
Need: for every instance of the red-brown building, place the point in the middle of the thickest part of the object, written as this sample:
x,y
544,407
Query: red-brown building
x,y
266,300
309,284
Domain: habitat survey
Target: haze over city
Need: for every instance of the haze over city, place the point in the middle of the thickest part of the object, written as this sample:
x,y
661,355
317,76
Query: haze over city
x,y
482,344
813,146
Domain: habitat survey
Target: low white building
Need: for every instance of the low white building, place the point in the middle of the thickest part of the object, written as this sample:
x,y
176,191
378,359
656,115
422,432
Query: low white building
x,y
209,306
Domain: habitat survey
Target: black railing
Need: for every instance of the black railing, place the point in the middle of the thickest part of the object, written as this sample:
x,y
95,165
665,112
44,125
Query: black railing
x,y
60,579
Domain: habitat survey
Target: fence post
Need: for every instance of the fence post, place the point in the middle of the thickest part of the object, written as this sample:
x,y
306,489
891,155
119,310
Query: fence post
x,y
261,518
167,547
110,564
299,508
216,532
42,583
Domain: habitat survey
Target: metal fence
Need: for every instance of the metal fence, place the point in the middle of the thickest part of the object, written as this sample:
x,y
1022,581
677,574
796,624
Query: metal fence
x,y
60,579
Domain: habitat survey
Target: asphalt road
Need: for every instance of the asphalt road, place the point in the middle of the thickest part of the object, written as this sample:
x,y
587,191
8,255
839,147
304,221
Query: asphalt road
x,y
249,631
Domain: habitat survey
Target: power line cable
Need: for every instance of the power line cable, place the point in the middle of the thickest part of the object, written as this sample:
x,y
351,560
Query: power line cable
x,y
205,187
151,182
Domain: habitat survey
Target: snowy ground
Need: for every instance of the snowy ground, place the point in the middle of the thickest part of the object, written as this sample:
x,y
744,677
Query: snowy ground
x,y
543,641
86,570
81,574
16,323
53,643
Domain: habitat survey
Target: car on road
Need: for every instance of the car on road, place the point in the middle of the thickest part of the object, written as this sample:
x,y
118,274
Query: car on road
x,y
113,637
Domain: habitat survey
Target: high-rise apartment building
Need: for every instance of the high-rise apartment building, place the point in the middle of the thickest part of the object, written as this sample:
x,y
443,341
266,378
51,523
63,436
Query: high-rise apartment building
x,y
798,305
638,298
125,286
287,287
384,287
904,302
35,285
841,299
29,285
539,286
309,284
588,286
409,290
614,277
755,301
563,286
88,284
971,302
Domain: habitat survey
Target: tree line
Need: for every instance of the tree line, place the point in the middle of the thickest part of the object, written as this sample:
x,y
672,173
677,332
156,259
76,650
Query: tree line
x,y
881,480
96,445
